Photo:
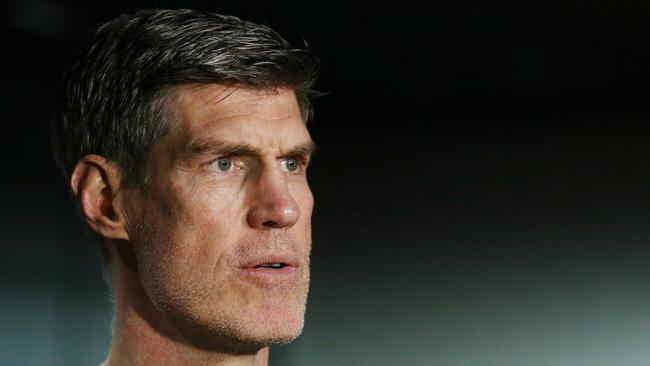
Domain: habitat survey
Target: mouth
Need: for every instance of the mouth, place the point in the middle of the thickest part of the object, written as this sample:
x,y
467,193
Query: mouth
x,y
272,265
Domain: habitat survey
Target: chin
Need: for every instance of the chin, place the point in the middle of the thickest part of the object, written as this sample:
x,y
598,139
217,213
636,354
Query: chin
x,y
278,323
246,329
276,337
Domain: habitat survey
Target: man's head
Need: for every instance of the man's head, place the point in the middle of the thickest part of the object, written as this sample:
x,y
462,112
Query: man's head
x,y
183,136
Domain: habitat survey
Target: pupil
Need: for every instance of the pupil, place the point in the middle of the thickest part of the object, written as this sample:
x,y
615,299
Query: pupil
x,y
224,164
291,164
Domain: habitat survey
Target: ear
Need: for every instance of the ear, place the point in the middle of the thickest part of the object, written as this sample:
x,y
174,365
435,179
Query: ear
x,y
96,184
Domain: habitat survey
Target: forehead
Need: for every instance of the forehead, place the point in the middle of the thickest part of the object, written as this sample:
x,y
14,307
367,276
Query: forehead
x,y
220,112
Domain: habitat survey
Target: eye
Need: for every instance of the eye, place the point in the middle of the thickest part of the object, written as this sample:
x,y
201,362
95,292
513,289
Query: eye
x,y
291,164
223,164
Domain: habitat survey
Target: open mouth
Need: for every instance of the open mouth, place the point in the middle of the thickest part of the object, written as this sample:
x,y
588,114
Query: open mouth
x,y
271,265
272,270
279,265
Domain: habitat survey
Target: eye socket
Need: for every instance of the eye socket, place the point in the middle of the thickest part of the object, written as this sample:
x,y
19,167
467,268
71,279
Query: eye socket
x,y
291,164
223,164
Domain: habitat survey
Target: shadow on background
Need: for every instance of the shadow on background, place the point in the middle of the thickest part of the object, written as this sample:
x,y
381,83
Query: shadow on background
x,y
481,186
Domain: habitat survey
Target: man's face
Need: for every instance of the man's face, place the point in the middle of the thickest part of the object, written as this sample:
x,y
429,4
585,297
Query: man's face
x,y
228,202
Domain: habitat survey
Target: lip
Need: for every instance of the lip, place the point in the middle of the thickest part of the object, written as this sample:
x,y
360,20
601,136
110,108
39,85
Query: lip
x,y
290,260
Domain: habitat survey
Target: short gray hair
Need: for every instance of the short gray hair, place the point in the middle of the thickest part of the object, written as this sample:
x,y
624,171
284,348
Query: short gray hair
x,y
115,100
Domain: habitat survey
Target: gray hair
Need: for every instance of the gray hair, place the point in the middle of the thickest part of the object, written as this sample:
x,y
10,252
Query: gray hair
x,y
116,98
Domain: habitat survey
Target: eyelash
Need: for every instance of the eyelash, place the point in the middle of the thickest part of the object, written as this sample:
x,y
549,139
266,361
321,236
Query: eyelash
x,y
303,162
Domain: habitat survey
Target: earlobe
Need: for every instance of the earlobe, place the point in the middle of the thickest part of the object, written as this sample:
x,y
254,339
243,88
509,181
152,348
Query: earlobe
x,y
96,185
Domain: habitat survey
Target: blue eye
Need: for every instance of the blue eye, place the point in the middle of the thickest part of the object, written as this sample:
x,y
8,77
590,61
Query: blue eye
x,y
291,164
223,164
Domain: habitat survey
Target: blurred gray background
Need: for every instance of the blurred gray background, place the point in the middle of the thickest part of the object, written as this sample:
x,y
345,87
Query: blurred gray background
x,y
481,185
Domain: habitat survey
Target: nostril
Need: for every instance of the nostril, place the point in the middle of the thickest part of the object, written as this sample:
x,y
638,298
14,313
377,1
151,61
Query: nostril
x,y
273,214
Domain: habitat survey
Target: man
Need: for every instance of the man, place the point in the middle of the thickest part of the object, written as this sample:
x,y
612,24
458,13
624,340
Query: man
x,y
183,138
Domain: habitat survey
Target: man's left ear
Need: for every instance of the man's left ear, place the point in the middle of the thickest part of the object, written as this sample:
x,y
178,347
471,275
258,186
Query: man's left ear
x,y
96,185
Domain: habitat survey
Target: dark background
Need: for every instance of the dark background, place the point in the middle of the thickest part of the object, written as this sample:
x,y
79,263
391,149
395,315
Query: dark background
x,y
481,185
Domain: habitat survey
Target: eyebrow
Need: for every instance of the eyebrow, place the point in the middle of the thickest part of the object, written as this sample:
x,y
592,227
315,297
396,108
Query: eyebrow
x,y
227,148
306,149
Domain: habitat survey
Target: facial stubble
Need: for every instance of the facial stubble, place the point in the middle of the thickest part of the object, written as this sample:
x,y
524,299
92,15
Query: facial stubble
x,y
224,310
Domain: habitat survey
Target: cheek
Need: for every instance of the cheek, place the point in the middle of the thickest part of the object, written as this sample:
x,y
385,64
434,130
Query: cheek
x,y
199,209
305,200
188,233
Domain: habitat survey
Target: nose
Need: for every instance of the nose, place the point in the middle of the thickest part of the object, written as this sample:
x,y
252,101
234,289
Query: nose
x,y
273,205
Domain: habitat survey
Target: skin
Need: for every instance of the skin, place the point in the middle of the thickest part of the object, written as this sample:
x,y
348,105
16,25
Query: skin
x,y
229,189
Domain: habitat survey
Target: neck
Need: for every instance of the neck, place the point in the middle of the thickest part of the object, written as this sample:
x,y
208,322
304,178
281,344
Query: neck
x,y
142,336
